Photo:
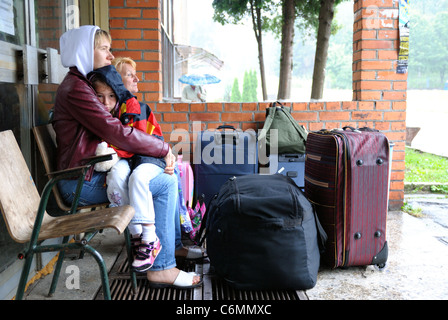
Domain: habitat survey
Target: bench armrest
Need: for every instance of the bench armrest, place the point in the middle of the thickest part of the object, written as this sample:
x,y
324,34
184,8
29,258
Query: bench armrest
x,y
100,158
79,172
68,173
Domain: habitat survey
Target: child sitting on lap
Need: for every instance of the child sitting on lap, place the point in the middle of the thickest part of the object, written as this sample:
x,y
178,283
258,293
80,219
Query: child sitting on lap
x,y
129,178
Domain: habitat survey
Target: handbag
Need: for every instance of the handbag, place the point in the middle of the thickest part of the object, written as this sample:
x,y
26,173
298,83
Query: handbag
x,y
291,135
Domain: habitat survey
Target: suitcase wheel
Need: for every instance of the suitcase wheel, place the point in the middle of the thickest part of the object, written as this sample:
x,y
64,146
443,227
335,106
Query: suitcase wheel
x,y
381,266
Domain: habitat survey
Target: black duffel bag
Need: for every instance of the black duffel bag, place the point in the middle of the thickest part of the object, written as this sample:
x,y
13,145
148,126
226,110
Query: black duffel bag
x,y
262,233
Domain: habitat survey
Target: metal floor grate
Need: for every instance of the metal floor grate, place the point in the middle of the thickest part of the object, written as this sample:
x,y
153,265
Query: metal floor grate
x,y
213,288
222,291
121,289
216,288
121,286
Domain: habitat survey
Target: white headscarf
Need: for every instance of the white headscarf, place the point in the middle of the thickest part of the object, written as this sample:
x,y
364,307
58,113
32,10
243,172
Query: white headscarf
x,y
77,47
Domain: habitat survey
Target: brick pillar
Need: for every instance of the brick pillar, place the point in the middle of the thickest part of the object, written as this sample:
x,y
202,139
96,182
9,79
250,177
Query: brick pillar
x,y
136,32
375,55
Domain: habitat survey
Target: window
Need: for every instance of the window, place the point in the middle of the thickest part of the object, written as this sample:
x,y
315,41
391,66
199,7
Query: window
x,y
167,49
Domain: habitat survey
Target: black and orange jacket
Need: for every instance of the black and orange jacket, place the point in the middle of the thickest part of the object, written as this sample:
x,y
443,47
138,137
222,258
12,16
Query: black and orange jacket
x,y
140,116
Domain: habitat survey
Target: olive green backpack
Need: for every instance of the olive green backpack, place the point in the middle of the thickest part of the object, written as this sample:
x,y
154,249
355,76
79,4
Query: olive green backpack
x,y
291,135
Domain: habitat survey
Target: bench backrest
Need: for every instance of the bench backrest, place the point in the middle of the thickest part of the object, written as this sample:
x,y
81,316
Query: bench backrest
x,y
46,142
19,198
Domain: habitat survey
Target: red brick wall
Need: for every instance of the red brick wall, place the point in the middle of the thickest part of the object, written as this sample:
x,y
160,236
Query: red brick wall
x,y
136,32
379,90
379,93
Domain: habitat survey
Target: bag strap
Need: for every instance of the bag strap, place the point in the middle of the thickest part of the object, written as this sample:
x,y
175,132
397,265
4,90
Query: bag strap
x,y
203,230
298,127
321,234
189,184
270,114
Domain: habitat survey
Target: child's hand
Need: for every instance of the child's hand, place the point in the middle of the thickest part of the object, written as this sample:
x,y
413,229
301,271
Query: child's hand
x,y
170,160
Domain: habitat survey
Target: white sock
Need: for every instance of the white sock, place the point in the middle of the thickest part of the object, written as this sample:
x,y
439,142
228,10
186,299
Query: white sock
x,y
135,229
149,233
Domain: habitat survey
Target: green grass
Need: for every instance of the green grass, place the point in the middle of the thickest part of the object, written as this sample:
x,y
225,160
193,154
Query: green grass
x,y
416,212
425,167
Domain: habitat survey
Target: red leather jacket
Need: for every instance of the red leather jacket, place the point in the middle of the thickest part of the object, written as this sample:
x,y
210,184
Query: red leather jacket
x,y
81,122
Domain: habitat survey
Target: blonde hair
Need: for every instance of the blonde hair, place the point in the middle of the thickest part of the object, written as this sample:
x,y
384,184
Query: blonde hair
x,y
99,34
120,61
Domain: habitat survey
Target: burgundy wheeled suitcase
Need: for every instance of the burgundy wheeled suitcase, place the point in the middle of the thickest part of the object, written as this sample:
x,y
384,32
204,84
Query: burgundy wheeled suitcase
x,y
346,178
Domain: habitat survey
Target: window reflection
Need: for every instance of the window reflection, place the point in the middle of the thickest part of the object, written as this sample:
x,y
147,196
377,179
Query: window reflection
x,y
12,28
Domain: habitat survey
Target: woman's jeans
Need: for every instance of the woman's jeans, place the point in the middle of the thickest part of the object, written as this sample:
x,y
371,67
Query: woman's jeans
x,y
164,189
93,191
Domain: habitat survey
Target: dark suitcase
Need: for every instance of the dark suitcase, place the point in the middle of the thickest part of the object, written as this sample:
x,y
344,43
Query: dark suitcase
x,y
346,178
262,233
221,154
290,165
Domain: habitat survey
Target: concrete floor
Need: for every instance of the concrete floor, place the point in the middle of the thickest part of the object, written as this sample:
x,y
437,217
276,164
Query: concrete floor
x,y
417,267
80,278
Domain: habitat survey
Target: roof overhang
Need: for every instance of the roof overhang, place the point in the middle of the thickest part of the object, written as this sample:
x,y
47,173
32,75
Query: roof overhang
x,y
197,56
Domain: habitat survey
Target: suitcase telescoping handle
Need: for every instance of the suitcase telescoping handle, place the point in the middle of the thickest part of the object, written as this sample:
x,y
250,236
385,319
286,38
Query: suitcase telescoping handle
x,y
226,126
292,156
350,128
366,129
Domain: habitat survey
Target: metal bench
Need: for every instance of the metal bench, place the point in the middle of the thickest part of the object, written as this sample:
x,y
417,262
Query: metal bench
x,y
24,212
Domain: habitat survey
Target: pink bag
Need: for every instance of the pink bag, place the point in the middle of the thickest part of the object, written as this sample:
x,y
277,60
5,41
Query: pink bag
x,y
187,181
192,220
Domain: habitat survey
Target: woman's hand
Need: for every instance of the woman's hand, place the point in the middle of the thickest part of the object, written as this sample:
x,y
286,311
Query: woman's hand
x,y
170,160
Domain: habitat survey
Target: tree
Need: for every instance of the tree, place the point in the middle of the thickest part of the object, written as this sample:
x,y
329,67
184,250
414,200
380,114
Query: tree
x,y
227,93
259,11
254,82
284,85
246,96
250,86
440,38
307,10
326,15
338,70
236,94
427,45
339,67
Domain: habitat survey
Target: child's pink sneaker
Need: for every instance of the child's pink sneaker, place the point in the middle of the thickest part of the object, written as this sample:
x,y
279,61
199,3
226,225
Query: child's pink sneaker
x,y
146,255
